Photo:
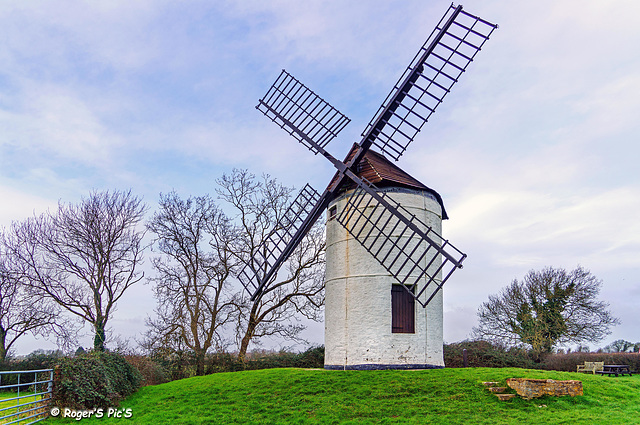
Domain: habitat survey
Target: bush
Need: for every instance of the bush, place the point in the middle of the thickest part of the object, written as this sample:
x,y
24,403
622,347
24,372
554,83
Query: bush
x,y
228,362
96,379
568,362
222,362
271,360
485,354
152,372
312,358
181,364
37,360
176,364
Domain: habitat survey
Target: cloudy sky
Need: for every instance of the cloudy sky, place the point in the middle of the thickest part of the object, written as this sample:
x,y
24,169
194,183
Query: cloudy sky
x,y
535,151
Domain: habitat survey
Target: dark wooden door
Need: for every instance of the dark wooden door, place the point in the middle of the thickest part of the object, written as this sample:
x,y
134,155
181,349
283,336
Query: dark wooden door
x,y
402,310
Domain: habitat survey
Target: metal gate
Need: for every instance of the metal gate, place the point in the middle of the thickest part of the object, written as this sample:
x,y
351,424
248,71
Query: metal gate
x,y
25,396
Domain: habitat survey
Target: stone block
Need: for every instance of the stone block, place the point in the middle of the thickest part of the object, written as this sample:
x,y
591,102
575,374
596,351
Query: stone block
x,y
505,397
533,388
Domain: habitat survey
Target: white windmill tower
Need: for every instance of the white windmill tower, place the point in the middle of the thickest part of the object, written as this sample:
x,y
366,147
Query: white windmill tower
x,y
371,320
385,255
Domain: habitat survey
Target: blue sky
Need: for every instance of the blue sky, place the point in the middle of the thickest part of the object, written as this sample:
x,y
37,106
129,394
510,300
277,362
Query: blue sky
x,y
535,151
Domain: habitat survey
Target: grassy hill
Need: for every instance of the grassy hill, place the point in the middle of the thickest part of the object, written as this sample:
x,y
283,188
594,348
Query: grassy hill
x,y
446,396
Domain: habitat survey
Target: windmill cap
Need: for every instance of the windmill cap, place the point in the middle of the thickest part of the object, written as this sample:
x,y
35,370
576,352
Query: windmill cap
x,y
378,170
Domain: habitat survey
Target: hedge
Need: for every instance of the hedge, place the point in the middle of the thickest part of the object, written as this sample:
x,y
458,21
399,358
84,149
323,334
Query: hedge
x,y
94,380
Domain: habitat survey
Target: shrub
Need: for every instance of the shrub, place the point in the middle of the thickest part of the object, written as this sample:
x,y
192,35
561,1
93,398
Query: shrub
x,y
37,360
263,359
568,362
176,364
271,360
181,364
312,358
485,354
96,379
222,362
152,372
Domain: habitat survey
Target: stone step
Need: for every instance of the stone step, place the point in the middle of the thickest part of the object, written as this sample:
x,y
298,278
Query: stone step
x,y
497,389
505,397
490,384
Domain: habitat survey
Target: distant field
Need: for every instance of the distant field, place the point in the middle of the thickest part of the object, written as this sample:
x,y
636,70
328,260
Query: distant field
x,y
446,396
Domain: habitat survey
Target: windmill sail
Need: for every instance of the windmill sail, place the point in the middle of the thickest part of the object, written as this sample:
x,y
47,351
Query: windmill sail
x,y
265,260
301,112
410,250
435,69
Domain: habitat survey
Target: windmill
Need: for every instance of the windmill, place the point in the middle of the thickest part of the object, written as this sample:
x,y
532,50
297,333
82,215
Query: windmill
x,y
405,246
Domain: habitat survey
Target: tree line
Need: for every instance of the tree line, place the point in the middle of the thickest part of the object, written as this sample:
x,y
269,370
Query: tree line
x,y
67,268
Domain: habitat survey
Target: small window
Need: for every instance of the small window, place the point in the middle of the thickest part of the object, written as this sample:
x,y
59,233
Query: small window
x,y
332,212
402,310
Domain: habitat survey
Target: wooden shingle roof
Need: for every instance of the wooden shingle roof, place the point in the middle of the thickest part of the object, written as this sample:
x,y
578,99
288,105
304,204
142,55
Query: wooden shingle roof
x,y
383,173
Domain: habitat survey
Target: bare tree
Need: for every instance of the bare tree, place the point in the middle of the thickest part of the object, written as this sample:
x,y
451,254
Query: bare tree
x,y
85,256
298,289
23,312
191,286
549,307
621,346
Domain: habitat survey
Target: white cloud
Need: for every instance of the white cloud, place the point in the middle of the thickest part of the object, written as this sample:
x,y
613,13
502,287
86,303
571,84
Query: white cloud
x,y
590,228
61,124
79,33
612,108
18,205
534,151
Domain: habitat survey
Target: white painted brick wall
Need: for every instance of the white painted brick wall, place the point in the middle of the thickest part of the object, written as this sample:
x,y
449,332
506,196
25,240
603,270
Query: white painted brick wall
x,y
358,302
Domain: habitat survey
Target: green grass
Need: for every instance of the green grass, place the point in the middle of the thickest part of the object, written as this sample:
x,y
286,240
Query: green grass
x,y
446,396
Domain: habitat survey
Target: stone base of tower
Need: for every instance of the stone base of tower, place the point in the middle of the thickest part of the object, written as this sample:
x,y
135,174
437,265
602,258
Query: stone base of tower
x,y
382,367
358,331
